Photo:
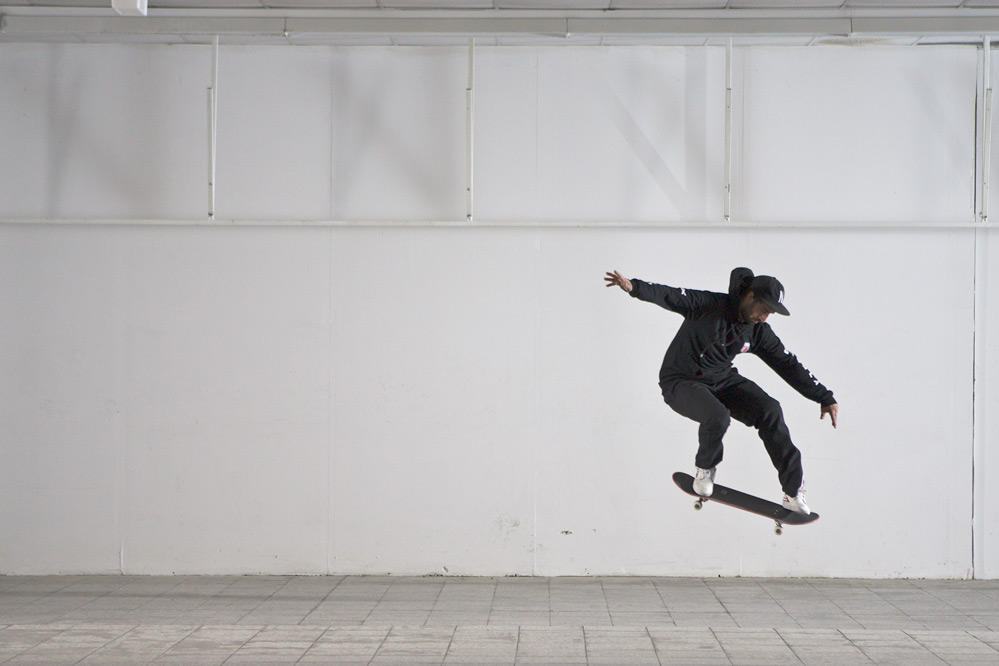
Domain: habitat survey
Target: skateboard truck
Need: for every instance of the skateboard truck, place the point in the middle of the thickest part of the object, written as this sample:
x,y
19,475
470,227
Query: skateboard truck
x,y
699,504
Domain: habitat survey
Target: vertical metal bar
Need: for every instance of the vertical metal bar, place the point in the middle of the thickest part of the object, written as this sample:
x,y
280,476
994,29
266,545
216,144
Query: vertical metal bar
x,y
212,126
211,155
987,127
470,125
978,455
728,130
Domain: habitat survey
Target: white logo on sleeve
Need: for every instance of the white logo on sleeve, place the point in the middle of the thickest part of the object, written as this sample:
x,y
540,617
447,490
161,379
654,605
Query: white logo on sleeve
x,y
745,347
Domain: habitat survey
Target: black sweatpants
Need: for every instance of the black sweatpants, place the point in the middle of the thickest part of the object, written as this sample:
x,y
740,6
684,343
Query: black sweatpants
x,y
741,399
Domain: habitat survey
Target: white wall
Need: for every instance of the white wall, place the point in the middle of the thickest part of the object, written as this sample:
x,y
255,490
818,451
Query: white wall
x,y
470,399
986,470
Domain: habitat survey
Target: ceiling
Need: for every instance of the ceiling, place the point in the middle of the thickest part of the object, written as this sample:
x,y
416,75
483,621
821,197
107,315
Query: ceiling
x,y
431,22
564,5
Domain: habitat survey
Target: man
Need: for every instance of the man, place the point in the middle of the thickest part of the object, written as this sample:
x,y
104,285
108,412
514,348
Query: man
x,y
698,380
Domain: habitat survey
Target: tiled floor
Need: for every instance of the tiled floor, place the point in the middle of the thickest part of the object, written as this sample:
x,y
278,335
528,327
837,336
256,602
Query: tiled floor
x,y
96,620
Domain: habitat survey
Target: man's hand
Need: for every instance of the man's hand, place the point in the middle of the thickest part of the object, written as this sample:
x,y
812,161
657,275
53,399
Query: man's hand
x,y
832,411
615,279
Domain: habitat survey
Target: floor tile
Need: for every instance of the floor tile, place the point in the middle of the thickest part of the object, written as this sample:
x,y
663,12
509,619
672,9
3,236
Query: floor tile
x,y
211,620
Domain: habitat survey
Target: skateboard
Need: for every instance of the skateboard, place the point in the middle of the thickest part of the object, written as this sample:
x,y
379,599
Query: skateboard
x,y
746,502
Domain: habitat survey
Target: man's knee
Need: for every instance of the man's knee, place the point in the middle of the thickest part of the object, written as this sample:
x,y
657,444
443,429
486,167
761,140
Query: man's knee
x,y
771,414
717,421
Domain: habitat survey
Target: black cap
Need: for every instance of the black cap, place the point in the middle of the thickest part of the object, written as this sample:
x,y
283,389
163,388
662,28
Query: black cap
x,y
770,291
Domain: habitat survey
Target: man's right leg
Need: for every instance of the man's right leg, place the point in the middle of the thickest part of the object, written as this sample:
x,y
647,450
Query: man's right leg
x,y
696,402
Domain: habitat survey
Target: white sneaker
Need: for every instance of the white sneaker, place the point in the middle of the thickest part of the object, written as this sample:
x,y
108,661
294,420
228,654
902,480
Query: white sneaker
x,y
797,503
704,481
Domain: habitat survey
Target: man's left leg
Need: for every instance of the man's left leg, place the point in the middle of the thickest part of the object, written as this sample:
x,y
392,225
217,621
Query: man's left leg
x,y
749,404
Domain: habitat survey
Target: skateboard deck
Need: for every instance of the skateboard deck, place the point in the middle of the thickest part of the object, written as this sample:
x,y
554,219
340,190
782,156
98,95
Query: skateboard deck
x,y
746,502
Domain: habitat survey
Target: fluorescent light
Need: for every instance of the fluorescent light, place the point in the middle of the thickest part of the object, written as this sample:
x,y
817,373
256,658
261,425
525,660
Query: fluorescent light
x,y
130,7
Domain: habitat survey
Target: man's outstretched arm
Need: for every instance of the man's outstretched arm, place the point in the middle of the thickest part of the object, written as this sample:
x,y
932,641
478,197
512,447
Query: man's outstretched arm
x,y
674,299
772,351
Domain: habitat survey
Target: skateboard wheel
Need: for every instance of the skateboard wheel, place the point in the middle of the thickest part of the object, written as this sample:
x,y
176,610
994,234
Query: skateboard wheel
x,y
778,529
698,504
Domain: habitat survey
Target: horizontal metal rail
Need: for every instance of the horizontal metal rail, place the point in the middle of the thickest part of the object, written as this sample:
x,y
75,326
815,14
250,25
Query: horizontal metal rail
x,y
515,224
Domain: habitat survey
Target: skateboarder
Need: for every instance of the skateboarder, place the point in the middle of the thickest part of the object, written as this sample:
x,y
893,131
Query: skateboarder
x,y
698,380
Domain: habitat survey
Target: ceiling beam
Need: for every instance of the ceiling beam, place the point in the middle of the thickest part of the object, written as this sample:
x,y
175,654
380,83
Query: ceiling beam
x,y
237,25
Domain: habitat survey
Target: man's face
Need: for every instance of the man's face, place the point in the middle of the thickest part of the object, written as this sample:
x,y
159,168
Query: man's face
x,y
752,310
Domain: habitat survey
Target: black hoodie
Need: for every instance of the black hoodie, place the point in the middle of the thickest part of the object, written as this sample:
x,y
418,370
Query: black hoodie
x,y
712,335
